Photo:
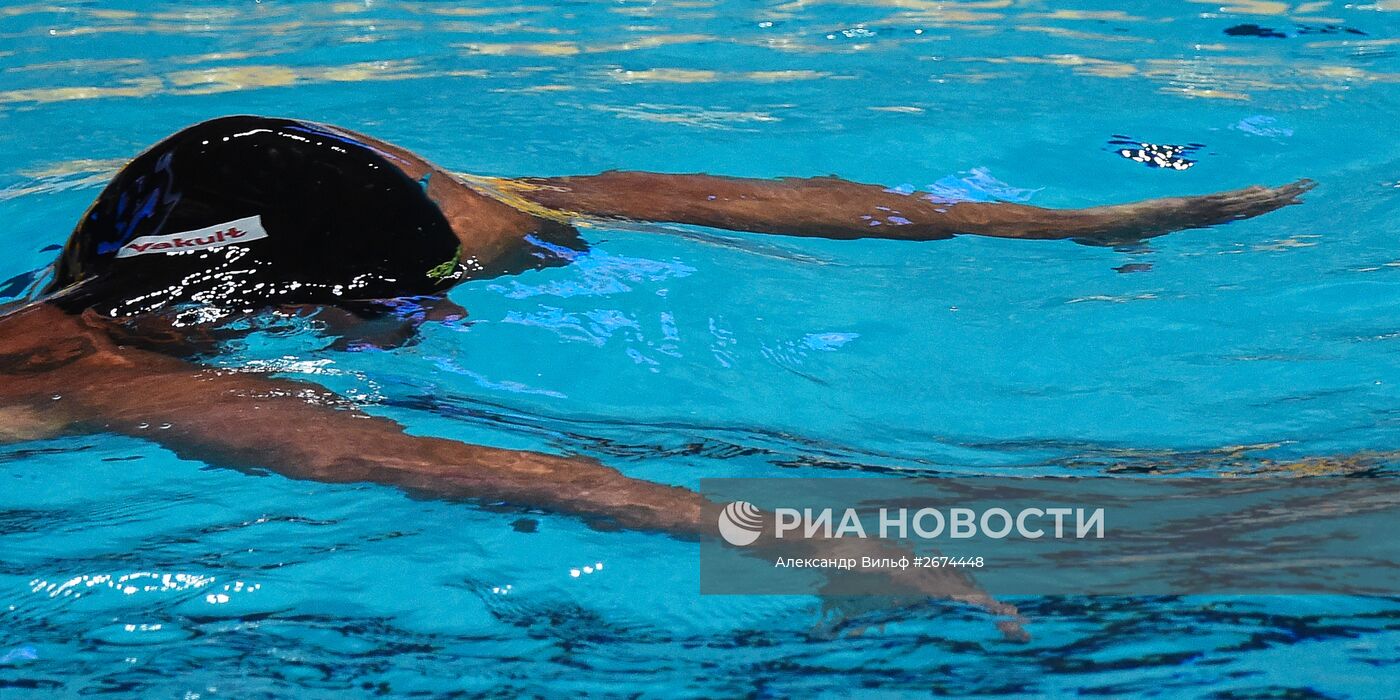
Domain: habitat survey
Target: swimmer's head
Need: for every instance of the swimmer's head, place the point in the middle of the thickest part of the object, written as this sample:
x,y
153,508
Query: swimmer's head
x,y
245,212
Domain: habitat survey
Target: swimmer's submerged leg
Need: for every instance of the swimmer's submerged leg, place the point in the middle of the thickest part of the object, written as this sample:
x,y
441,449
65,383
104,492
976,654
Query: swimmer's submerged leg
x,y
828,207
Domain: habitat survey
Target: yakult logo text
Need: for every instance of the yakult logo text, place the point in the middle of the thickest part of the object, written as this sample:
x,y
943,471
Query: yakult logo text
x,y
217,236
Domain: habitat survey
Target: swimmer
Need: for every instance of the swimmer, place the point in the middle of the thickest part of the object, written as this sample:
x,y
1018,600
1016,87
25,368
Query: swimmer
x,y
245,214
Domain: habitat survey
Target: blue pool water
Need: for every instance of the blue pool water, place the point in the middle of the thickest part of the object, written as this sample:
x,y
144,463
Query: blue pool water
x,y
675,354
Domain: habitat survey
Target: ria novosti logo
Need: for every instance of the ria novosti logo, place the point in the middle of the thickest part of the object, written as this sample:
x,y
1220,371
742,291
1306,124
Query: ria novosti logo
x,y
217,236
740,523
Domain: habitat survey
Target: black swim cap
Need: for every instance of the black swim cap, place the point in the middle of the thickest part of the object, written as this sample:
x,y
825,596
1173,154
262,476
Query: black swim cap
x,y
242,212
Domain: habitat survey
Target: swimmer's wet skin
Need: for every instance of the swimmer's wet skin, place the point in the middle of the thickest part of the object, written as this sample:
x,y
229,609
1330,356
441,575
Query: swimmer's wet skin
x,y
242,214
829,207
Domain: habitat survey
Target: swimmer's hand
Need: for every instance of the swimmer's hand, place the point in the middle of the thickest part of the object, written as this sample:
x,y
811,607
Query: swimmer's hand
x,y
905,586
879,587
1127,223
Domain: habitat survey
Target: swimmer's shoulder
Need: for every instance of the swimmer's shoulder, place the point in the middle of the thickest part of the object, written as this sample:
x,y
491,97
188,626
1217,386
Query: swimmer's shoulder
x,y
41,338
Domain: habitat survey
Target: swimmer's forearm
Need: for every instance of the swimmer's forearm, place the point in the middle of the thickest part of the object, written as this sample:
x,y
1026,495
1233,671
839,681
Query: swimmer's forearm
x,y
302,441
834,208
60,372
253,422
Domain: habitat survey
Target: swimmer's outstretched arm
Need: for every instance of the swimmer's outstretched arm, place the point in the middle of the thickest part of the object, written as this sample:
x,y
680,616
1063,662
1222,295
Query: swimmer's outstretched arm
x,y
828,207
822,207
64,372
60,372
